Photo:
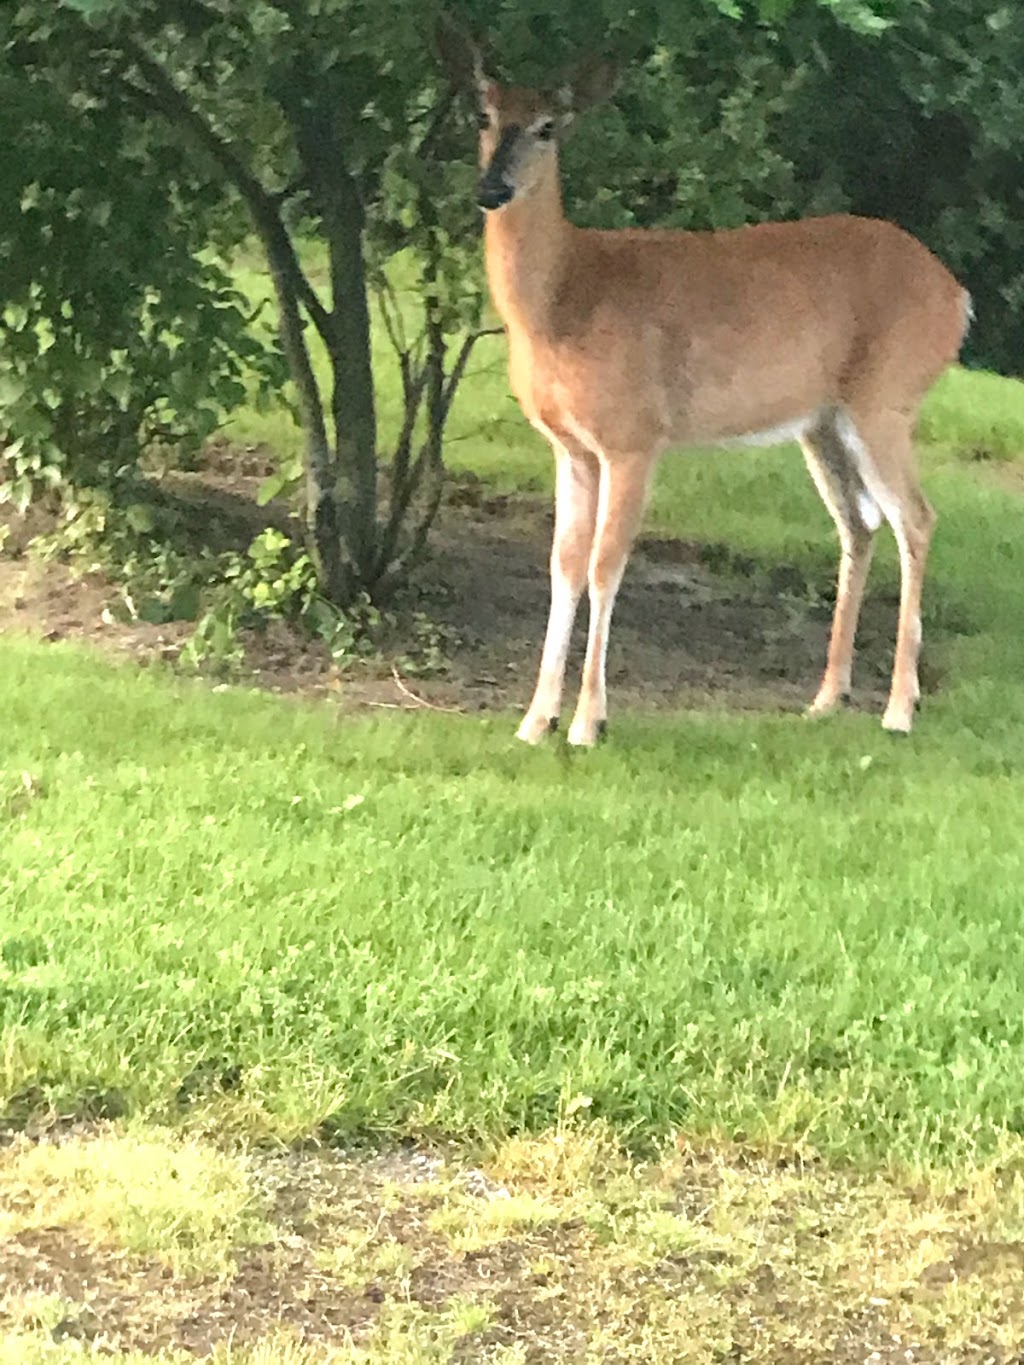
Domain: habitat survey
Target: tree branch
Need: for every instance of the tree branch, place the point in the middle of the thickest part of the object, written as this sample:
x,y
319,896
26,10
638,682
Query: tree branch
x,y
426,471
458,370
391,316
403,446
291,286
425,146
165,96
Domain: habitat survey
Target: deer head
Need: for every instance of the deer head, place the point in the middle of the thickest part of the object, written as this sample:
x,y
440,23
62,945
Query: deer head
x,y
519,127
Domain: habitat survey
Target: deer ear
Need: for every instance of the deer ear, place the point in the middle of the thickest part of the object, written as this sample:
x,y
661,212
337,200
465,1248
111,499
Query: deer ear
x,y
460,57
592,81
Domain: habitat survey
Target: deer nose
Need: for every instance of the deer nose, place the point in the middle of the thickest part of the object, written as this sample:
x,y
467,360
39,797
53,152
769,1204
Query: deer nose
x,y
493,192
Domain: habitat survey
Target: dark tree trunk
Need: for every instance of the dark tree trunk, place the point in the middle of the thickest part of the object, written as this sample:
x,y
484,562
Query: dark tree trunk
x,y
353,405
347,337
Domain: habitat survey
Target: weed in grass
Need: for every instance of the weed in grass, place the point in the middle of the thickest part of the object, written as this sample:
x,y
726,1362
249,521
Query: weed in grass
x,y
184,1203
359,1258
18,793
469,1227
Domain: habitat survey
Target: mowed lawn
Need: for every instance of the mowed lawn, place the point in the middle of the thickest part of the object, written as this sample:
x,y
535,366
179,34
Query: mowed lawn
x,y
272,917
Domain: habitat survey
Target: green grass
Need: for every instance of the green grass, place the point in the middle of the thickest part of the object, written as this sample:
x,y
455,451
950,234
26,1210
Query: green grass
x,y
724,923
257,913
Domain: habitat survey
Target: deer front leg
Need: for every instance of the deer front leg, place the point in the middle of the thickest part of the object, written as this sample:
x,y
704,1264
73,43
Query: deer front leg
x,y
621,503
576,494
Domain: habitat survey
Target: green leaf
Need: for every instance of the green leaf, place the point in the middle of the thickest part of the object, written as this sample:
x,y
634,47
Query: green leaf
x,y
90,8
155,611
139,517
275,484
12,388
184,603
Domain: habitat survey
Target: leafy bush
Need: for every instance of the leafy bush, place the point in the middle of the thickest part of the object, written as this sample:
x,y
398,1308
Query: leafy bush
x,y
117,328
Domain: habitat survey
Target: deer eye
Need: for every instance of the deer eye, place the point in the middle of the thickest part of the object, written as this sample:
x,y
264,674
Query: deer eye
x,y
483,120
545,131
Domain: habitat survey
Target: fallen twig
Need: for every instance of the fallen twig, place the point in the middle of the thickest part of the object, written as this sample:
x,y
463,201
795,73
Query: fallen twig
x,y
421,701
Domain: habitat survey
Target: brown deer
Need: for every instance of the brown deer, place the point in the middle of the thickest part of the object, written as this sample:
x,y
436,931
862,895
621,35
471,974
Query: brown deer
x,y
624,343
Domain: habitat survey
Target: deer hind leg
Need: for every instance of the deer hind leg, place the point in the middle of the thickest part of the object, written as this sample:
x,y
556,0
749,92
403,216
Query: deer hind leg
x,y
577,477
832,460
621,503
882,442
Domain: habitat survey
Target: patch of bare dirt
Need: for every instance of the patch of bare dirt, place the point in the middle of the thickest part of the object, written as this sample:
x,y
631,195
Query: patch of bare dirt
x,y
693,622
141,1305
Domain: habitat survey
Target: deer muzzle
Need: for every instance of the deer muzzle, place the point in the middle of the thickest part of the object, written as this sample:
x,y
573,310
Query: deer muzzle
x,y
496,188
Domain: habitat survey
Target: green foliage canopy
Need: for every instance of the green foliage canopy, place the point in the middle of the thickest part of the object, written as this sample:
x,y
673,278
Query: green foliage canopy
x,y
116,324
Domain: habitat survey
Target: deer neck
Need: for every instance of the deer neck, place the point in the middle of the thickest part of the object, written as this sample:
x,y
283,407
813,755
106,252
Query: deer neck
x,y
527,246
